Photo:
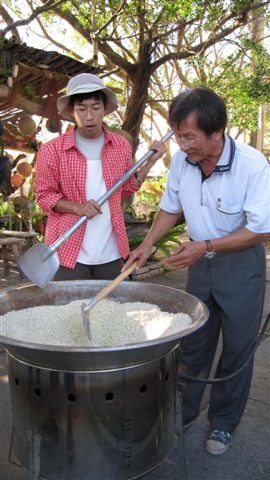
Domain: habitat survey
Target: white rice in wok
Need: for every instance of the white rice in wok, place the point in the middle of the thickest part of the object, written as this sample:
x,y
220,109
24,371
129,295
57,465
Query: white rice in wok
x,y
112,324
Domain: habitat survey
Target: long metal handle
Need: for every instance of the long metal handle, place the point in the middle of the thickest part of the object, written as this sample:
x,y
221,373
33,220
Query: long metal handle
x,y
56,245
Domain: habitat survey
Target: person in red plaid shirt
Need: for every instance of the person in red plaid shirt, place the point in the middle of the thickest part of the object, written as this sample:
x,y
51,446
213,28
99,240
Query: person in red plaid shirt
x,y
74,170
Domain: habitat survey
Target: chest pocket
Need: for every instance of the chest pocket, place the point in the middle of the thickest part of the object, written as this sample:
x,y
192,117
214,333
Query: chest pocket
x,y
229,218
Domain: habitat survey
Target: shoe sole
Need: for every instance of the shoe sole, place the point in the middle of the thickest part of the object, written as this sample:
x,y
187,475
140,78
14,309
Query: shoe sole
x,y
214,449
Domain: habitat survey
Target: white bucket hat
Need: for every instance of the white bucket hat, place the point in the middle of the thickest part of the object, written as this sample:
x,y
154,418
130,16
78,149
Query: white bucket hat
x,y
85,83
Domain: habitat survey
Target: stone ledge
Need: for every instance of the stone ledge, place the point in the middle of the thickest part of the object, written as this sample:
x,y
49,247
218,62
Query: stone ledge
x,y
149,270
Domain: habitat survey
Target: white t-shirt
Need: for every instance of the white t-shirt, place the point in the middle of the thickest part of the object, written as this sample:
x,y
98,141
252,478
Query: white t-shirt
x,y
99,244
227,200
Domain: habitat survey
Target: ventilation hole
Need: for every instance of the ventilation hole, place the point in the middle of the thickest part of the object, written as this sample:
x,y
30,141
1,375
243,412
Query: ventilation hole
x,y
166,378
143,388
37,392
109,396
71,397
17,381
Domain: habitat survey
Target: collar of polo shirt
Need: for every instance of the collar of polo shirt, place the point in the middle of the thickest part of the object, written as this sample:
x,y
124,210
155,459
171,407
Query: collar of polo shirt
x,y
227,156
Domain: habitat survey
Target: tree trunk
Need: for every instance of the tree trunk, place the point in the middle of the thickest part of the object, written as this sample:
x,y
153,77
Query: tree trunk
x,y
137,102
256,138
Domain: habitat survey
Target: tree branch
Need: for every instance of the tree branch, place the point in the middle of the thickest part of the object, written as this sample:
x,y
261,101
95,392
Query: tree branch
x,y
52,40
199,48
115,58
113,17
103,46
19,23
9,21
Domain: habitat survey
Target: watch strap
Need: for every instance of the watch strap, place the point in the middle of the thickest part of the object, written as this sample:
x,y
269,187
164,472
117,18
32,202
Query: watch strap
x,y
209,246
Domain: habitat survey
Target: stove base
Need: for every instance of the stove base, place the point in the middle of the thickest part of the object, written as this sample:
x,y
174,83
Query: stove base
x,y
105,425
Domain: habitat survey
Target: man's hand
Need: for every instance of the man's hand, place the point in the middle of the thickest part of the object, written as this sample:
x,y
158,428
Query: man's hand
x,y
187,254
160,151
89,209
141,253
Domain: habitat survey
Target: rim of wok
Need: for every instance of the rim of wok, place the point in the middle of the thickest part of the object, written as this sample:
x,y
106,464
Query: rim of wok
x,y
196,324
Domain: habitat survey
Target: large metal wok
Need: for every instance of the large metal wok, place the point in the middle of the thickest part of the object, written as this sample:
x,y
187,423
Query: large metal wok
x,y
73,358
99,413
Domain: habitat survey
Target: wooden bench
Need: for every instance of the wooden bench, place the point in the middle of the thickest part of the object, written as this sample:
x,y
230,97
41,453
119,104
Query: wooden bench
x,y
10,248
29,237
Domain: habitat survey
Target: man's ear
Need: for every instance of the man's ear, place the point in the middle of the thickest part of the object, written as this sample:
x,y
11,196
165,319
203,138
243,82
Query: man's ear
x,y
218,135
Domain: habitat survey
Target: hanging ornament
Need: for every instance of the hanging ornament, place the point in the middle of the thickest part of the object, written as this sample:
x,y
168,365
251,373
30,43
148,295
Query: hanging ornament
x,y
18,158
16,180
24,169
26,125
4,91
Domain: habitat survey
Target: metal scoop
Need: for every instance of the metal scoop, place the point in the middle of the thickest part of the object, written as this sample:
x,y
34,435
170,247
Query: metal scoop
x,y
40,263
86,307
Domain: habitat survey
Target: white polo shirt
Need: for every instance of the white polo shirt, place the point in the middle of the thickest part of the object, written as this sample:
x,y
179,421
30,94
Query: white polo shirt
x,y
234,196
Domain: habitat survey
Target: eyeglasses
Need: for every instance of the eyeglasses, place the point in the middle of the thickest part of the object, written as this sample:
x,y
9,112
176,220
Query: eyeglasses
x,y
187,142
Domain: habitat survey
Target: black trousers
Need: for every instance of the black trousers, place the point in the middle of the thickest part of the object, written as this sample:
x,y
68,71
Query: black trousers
x,y
105,271
232,285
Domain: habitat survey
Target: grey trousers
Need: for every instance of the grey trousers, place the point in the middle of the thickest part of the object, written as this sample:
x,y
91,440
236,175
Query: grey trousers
x,y
232,285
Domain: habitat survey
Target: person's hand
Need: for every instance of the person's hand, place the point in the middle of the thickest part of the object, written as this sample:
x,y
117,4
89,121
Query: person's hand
x,y
186,254
141,254
160,151
89,209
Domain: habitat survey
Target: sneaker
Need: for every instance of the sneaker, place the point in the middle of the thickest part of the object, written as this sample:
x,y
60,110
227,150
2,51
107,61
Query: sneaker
x,y
218,442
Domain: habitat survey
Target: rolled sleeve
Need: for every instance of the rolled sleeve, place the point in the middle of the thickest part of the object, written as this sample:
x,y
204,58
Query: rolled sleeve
x,y
130,187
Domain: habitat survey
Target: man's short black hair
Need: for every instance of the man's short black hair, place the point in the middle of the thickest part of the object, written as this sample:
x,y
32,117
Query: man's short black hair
x,y
80,97
207,105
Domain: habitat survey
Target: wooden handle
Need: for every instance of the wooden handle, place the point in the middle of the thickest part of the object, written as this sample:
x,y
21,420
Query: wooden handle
x,y
109,288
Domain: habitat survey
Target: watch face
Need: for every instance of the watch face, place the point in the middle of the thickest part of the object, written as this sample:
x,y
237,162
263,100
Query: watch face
x,y
210,254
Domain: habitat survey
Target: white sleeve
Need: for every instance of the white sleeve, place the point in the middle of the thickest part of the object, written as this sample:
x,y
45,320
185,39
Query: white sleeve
x,y
170,201
257,202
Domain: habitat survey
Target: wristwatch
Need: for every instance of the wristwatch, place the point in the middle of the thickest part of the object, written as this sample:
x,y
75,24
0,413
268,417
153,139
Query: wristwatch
x,y
210,253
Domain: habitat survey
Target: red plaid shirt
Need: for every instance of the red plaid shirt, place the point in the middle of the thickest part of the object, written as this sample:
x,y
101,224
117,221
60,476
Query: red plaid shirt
x,y
61,174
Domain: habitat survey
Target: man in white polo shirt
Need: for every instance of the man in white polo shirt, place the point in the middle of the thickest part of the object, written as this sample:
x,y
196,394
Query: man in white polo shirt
x,y
223,188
